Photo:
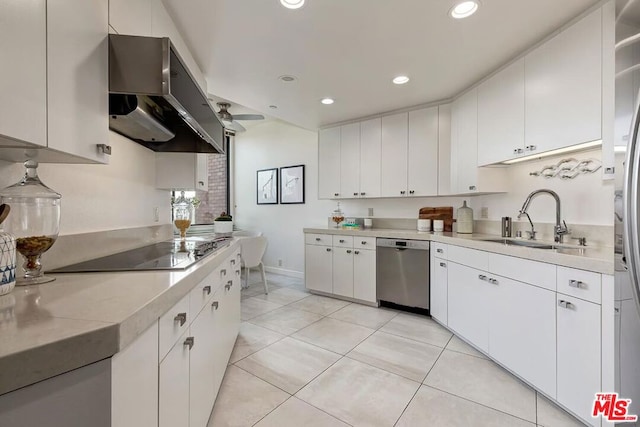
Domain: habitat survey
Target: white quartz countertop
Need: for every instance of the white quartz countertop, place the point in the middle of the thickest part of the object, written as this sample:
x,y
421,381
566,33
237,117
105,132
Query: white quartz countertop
x,y
81,318
591,258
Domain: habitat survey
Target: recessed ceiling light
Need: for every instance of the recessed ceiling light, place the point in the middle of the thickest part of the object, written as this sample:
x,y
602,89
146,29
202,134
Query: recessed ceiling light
x,y
400,80
273,107
327,101
292,4
287,78
464,9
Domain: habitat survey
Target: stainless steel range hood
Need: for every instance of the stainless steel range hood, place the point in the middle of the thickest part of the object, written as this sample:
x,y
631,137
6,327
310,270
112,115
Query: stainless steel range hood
x,y
154,100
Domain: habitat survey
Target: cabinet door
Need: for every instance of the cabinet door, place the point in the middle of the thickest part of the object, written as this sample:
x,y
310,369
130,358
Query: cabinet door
x,y
501,115
578,360
131,17
364,275
230,316
464,143
522,325
350,160
23,78
202,172
329,163
469,299
173,396
77,77
181,171
394,155
422,160
439,290
370,157
202,369
343,271
564,87
318,274
216,310
444,149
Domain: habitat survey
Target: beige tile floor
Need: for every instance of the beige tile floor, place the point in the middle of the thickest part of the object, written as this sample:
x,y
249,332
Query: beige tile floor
x,y
310,361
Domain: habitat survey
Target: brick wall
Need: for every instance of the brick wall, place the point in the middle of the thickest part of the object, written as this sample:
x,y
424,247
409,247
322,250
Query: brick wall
x,y
213,201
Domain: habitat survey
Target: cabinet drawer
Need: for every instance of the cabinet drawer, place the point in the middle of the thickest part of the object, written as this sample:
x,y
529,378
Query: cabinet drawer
x,y
317,239
468,257
439,250
364,242
202,293
343,241
580,284
523,270
173,324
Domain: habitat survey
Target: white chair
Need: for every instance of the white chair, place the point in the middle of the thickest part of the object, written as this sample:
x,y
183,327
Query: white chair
x,y
252,249
246,233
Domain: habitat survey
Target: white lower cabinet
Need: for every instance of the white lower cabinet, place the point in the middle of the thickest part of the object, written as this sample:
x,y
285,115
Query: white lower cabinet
x,y
344,269
364,275
522,330
469,305
173,396
439,291
343,272
202,387
318,268
579,362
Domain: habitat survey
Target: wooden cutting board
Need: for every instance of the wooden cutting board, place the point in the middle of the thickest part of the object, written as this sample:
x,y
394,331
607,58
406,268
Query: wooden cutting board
x,y
444,213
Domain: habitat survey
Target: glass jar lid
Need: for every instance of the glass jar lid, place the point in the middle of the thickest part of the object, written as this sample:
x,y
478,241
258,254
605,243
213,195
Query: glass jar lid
x,y
30,186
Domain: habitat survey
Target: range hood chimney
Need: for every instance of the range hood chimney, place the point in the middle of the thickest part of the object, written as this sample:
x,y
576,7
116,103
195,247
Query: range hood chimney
x,y
154,100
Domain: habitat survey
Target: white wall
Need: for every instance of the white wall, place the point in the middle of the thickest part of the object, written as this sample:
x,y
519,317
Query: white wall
x,y
585,200
270,145
103,197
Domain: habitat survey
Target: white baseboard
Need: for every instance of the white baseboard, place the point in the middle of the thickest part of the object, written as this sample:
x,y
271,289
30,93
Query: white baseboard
x,y
285,272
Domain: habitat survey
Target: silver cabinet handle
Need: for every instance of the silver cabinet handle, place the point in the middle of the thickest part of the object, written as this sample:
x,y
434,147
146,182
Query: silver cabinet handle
x,y
189,342
233,262
215,305
520,151
223,272
355,194
341,240
402,192
348,251
336,194
328,249
515,151
472,187
411,192
362,194
482,277
228,285
180,317
440,251
442,264
530,148
237,272
317,239
493,281
356,252
576,284
565,304
364,242
207,289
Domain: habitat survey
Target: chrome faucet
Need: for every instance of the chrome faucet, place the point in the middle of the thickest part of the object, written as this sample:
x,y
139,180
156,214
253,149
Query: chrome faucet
x,y
560,229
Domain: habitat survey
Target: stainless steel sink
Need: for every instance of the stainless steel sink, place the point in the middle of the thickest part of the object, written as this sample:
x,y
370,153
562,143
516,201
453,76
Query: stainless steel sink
x,y
526,243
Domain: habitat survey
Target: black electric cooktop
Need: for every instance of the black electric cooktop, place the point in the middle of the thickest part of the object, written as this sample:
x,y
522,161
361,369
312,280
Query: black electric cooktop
x,y
169,255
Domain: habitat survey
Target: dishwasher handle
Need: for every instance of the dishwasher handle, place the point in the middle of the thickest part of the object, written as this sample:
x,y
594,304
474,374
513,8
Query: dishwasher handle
x,y
402,244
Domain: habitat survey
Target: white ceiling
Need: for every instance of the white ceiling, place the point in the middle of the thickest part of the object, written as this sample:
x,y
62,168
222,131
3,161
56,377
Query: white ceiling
x,y
351,49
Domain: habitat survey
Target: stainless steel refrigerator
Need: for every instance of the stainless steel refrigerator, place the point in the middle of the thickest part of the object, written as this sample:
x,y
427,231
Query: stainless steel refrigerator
x,y
627,200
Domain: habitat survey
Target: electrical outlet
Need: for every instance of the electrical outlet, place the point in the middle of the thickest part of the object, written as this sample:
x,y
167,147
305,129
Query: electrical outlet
x,y
279,263
156,214
484,212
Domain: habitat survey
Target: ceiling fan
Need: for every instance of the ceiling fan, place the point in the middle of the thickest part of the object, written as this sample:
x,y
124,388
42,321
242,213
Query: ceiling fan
x,y
230,120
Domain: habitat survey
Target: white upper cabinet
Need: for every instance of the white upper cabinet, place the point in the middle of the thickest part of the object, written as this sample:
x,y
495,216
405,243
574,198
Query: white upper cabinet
x,y
370,157
422,159
501,115
563,87
394,155
350,160
78,77
182,171
444,149
329,163
23,77
131,17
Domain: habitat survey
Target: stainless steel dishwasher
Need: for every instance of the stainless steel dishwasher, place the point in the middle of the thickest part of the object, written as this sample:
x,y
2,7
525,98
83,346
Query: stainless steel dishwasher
x,y
402,272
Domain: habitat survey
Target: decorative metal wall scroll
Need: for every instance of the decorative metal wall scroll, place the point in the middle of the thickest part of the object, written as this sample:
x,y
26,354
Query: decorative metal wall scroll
x,y
569,168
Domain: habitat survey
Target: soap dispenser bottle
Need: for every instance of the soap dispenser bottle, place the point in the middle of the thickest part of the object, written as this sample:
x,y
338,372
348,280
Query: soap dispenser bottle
x,y
465,219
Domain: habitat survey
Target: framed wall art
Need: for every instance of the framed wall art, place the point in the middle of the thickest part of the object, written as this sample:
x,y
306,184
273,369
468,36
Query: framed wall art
x,y
267,187
292,184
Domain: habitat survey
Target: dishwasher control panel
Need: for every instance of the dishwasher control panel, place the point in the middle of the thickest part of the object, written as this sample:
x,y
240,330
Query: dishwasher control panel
x,y
403,244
